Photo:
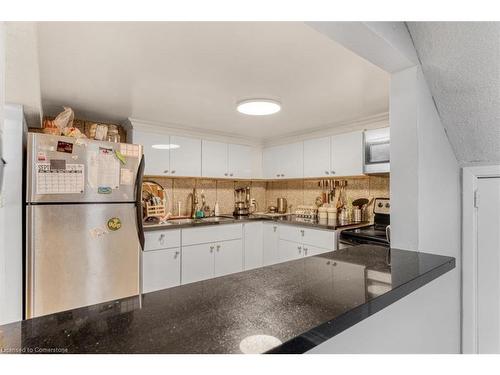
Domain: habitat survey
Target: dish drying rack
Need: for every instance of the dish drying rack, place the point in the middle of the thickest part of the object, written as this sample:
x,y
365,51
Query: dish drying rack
x,y
154,198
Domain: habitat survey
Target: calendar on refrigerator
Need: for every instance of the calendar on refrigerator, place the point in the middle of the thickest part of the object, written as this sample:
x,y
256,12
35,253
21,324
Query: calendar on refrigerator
x,y
52,178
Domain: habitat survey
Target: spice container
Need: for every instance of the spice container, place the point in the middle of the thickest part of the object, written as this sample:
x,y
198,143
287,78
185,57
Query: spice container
x,y
113,134
332,213
322,213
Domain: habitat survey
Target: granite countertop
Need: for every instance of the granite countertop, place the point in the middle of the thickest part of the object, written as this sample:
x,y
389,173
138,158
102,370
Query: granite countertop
x,y
289,220
285,308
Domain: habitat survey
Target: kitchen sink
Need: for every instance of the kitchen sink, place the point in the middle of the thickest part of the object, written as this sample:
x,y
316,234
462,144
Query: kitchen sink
x,y
216,219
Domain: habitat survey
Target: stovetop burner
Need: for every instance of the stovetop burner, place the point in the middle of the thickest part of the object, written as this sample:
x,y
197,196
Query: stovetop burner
x,y
371,234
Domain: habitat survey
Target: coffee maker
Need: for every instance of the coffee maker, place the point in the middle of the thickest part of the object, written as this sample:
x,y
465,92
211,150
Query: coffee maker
x,y
242,201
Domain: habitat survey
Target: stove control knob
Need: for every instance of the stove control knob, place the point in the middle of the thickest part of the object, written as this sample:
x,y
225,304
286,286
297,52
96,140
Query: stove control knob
x,y
387,205
380,205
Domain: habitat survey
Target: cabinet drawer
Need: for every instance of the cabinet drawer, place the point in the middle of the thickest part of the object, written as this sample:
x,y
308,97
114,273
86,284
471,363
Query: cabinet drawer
x,y
211,233
161,269
310,251
162,239
324,239
290,233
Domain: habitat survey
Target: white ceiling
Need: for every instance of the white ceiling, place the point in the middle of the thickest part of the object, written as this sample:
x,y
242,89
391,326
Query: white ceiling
x,y
193,73
461,62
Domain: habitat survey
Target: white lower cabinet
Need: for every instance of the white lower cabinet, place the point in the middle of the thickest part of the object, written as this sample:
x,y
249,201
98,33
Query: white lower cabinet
x,y
205,261
253,255
228,257
324,239
197,263
271,238
161,269
214,251
289,250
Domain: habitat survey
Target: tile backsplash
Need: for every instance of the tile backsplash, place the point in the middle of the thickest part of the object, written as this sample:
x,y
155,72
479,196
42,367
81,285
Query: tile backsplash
x,y
297,192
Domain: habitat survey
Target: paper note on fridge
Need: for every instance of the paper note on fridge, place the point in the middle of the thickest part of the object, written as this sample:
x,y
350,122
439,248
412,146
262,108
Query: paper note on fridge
x,y
68,179
104,169
126,177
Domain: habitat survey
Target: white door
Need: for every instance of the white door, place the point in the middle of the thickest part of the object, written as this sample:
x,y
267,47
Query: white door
x,y
317,157
253,246
488,267
156,152
271,162
197,263
271,243
185,156
214,159
289,250
239,161
161,269
291,159
228,257
347,154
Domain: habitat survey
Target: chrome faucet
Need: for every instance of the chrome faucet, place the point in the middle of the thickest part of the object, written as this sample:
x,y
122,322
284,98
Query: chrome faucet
x,y
194,203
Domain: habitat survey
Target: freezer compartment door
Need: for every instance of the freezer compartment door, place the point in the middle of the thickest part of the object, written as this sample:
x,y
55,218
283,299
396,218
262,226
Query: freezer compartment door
x,y
64,169
79,255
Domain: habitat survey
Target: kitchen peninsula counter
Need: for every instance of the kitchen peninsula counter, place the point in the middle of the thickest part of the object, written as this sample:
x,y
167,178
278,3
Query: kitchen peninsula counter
x,y
284,308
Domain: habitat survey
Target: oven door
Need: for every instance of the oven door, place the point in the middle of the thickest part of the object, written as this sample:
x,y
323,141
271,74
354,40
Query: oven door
x,y
377,150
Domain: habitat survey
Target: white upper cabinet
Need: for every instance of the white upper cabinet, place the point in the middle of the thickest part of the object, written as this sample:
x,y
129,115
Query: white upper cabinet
x,y
347,154
214,159
169,154
284,161
185,156
317,157
156,152
240,159
226,160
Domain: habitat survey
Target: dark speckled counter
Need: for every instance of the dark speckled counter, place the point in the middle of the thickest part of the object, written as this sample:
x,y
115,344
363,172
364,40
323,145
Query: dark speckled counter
x,y
288,220
302,303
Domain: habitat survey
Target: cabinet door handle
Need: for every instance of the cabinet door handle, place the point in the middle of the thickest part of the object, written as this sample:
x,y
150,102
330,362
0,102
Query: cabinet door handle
x,y
275,227
326,172
334,264
165,171
328,263
230,174
161,240
332,172
305,250
225,174
282,175
218,247
278,175
300,249
176,254
173,171
211,249
302,232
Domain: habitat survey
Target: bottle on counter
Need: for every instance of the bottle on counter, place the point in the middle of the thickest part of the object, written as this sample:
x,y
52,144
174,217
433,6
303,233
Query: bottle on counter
x,y
216,209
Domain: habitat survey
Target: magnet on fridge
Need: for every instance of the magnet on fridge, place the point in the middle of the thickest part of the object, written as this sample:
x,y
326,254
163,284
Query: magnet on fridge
x,y
120,157
114,223
104,190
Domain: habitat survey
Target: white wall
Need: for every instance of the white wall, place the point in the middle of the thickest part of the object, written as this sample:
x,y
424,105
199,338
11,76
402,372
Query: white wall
x,y
404,160
22,73
425,204
14,127
2,224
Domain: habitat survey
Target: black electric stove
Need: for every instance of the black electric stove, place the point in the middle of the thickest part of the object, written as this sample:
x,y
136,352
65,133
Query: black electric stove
x,y
374,234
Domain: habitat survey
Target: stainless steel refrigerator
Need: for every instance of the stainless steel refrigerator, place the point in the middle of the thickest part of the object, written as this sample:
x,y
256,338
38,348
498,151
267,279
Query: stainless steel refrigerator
x,y
83,222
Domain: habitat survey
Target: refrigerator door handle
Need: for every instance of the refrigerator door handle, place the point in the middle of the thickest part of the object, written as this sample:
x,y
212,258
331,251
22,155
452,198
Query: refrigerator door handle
x,y
30,267
138,202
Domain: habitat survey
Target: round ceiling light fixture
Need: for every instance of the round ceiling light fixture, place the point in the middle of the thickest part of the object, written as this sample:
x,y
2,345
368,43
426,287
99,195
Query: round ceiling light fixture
x,y
258,107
